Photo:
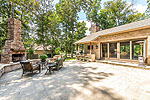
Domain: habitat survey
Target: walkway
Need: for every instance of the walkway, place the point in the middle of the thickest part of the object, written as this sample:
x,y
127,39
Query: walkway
x,y
78,81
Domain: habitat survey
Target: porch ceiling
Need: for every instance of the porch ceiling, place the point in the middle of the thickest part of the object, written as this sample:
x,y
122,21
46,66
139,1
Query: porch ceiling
x,y
116,30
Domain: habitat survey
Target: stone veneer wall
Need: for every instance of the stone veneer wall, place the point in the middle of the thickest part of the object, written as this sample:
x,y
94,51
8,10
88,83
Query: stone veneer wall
x,y
94,28
13,42
14,66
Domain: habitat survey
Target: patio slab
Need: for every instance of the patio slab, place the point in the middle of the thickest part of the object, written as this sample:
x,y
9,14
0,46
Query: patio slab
x,y
78,81
124,63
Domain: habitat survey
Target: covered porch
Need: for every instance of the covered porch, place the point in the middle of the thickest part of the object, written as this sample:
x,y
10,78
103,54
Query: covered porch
x,y
123,43
125,50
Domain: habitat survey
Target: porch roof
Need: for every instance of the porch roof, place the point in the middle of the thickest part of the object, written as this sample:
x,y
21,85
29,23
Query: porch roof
x,y
120,29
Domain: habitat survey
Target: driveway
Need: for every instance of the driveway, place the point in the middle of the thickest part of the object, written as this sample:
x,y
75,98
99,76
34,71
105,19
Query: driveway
x,y
78,81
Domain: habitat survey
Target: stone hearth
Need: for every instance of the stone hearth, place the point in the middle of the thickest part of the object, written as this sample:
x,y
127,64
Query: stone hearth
x,y
13,44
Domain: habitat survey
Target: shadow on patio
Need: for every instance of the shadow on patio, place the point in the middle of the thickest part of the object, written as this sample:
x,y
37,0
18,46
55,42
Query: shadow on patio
x,y
74,81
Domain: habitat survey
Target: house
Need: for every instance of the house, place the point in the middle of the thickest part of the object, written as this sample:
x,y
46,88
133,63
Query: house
x,y
38,49
122,43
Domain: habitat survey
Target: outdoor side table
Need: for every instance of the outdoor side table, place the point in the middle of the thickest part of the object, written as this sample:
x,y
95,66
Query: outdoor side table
x,y
43,64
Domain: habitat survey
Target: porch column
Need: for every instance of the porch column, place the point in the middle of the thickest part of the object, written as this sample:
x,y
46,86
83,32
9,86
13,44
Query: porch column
x,y
90,48
108,49
130,50
118,50
99,45
148,50
145,48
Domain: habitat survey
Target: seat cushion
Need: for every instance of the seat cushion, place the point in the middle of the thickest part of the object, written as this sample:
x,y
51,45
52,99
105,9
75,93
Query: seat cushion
x,y
51,65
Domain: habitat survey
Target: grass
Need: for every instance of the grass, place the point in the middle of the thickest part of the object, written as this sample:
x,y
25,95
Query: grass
x,y
67,59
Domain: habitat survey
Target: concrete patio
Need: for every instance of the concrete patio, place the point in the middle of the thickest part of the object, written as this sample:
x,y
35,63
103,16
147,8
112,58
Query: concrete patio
x,y
78,81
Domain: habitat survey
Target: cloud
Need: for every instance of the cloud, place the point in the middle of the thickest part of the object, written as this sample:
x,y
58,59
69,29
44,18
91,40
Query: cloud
x,y
140,8
88,25
55,1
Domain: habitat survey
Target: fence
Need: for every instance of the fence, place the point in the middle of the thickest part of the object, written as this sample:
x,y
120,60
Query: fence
x,y
32,56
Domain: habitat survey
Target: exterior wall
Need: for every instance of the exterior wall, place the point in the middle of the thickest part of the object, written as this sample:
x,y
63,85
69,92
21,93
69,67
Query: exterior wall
x,y
125,36
95,50
140,34
39,52
148,46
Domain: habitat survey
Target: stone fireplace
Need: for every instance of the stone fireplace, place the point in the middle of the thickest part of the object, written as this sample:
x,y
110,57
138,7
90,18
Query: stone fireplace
x,y
13,50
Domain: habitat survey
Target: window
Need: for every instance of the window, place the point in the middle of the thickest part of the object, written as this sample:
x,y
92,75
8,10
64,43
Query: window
x,y
92,47
113,50
88,47
125,50
137,49
96,46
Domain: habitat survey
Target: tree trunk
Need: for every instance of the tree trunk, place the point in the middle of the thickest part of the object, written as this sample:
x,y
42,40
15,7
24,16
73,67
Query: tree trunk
x,y
72,50
66,52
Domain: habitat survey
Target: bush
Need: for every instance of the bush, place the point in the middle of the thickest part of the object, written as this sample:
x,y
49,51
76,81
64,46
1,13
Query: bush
x,y
30,51
57,51
43,56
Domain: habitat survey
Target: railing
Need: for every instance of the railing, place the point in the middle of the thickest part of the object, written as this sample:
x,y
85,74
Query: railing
x,y
86,57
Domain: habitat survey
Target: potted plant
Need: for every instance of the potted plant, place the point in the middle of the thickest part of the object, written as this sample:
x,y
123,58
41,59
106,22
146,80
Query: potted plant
x,y
43,57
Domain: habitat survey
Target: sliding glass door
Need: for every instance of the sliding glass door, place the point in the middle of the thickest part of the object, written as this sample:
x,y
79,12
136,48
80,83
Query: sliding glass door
x,y
113,50
104,50
137,49
125,50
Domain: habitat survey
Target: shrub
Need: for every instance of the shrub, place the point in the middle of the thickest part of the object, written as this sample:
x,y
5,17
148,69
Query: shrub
x,y
30,51
57,51
43,56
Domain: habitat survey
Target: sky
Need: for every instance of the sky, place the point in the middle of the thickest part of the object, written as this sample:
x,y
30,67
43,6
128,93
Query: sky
x,y
139,5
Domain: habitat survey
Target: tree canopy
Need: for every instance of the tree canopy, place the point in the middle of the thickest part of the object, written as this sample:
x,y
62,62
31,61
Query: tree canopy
x,y
58,26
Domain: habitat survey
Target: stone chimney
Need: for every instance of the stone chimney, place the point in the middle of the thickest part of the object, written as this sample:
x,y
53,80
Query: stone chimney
x,y
94,28
14,48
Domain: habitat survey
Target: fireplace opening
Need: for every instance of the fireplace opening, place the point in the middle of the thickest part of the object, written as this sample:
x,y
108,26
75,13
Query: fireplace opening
x,y
17,57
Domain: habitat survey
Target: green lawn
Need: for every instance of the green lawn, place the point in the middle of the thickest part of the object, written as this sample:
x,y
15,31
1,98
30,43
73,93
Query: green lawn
x,y
69,59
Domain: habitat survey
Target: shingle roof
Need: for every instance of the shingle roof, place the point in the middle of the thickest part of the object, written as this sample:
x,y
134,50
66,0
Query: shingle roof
x,y
130,26
40,47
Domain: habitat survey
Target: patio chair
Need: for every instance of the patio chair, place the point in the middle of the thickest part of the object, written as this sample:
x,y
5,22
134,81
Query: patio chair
x,y
55,65
60,63
28,67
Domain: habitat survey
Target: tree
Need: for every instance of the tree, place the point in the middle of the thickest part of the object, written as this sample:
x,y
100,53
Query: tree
x,y
91,8
42,15
80,30
19,9
68,12
148,9
116,13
